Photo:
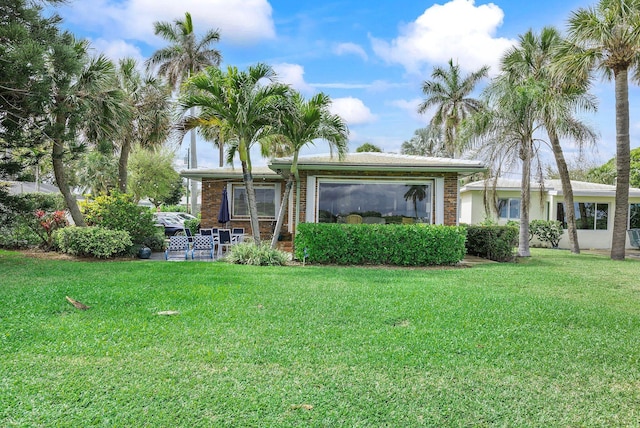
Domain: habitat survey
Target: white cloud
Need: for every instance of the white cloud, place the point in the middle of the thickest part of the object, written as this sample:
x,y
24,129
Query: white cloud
x,y
458,29
352,110
239,21
411,108
292,74
117,49
350,49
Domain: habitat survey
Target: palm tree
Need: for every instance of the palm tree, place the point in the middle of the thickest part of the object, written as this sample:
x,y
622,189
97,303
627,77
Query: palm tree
x,y
505,133
85,106
562,95
416,192
605,38
244,107
303,122
449,92
148,98
426,141
185,57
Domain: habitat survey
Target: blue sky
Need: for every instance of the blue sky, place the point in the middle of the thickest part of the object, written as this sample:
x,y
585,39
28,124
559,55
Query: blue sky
x,y
370,57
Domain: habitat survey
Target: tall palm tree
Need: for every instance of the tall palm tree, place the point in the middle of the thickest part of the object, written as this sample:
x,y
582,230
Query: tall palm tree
x,y
505,133
605,38
245,107
533,58
85,107
300,124
149,99
449,92
185,57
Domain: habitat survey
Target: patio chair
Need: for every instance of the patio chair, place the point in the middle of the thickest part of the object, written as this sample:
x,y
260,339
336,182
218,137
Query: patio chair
x,y
224,240
187,232
202,243
408,220
354,219
178,245
634,237
237,235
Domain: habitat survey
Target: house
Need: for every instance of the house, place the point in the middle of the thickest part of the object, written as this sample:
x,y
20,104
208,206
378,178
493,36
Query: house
x,y
594,206
374,187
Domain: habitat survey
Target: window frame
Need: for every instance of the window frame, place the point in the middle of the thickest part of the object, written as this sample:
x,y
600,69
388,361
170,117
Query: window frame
x,y
431,182
631,204
232,202
508,208
577,210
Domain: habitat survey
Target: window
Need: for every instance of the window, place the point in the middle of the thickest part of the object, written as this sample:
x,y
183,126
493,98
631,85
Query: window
x,y
634,216
589,215
509,209
375,201
265,199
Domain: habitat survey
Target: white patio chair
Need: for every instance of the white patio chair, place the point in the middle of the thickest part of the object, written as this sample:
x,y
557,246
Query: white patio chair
x,y
178,245
202,243
224,240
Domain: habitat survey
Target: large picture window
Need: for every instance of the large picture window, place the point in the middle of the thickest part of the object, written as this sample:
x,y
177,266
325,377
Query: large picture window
x,y
589,215
634,216
265,199
509,209
375,202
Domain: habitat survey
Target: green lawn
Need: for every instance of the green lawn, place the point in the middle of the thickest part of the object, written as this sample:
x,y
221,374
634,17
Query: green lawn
x,y
551,341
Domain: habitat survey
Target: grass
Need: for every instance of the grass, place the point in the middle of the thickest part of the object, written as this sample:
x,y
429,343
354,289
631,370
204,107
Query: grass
x,y
551,341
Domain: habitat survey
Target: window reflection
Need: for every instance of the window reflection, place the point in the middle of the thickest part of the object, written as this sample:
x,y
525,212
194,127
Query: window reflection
x,y
589,215
380,202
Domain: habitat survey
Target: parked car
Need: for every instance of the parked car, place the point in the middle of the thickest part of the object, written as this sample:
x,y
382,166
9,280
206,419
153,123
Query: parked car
x,y
173,225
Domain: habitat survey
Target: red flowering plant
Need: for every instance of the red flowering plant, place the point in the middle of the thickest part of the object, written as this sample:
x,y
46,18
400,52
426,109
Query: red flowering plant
x,y
47,223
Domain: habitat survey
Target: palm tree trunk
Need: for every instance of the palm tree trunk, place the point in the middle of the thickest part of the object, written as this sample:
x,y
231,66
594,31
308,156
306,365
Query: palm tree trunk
x,y
123,162
283,208
525,195
193,164
221,149
61,181
567,190
247,177
623,159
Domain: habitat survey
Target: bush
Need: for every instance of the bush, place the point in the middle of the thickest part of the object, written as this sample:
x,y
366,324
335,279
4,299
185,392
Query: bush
x,y
402,245
118,211
93,241
492,242
248,253
549,231
22,226
193,224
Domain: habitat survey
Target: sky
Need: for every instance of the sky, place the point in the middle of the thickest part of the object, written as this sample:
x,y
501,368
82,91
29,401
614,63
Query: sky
x,y
370,57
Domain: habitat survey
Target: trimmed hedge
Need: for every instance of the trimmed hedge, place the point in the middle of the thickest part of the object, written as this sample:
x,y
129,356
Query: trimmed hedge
x,y
93,241
358,244
492,242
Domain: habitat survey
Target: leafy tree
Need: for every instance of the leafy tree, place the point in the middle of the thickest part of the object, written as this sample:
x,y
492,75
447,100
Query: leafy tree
x,y
97,172
449,92
300,124
368,147
183,58
243,103
606,173
425,142
605,39
561,95
152,175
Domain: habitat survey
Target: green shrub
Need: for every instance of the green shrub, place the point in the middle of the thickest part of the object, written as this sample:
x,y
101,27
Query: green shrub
x,y
549,231
402,245
248,253
193,224
93,241
118,211
492,242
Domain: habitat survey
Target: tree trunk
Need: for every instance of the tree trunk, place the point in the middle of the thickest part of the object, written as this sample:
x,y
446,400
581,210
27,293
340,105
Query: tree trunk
x,y
525,195
61,181
623,156
221,149
247,177
283,208
123,162
193,164
567,190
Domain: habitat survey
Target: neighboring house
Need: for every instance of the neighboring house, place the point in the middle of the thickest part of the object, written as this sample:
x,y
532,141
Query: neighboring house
x,y
374,187
20,187
594,206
